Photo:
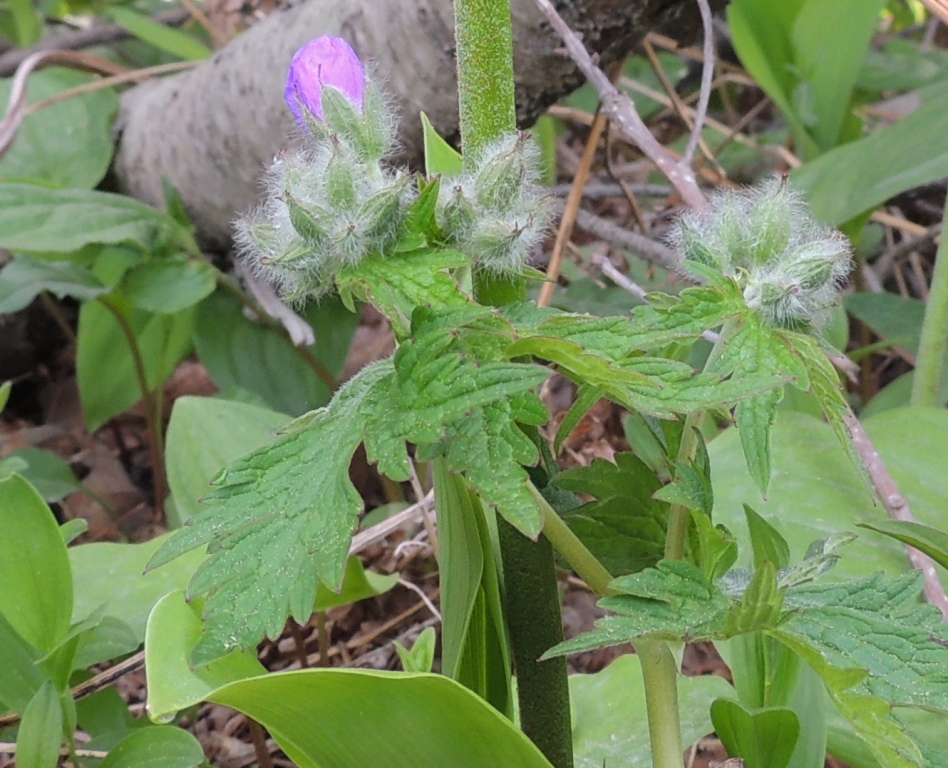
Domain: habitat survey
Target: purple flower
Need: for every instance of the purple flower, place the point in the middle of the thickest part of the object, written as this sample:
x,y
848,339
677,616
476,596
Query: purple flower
x,y
321,62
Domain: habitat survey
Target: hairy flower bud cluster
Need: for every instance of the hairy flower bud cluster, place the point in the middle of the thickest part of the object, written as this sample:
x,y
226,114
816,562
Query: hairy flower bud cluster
x,y
791,268
497,212
329,202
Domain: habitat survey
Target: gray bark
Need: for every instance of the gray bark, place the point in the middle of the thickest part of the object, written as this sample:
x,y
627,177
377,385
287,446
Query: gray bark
x,y
211,131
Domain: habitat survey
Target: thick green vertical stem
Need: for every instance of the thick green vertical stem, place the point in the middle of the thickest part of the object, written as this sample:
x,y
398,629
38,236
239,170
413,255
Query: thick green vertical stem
x,y
487,106
929,368
532,605
485,72
660,677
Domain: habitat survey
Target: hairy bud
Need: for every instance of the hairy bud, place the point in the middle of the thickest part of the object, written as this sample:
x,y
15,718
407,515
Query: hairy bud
x,y
791,267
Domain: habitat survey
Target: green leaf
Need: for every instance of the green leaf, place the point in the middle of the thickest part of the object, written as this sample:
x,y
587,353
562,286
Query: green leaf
x,y
655,386
34,567
762,40
241,354
420,657
440,157
111,576
174,627
924,538
357,584
610,723
861,175
475,649
879,626
24,278
653,326
752,349
38,219
47,472
280,519
624,527
68,144
162,746
897,319
20,676
713,547
103,712
852,29
766,541
816,492
204,435
673,601
356,718
759,606
398,284
111,638
164,38
489,448
106,373
167,286
586,398
869,716
41,732
764,738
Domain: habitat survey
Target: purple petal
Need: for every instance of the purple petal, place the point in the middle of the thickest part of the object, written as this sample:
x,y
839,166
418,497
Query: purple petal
x,y
323,61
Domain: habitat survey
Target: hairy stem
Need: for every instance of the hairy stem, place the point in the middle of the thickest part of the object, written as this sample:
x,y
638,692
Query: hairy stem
x,y
485,72
532,607
929,368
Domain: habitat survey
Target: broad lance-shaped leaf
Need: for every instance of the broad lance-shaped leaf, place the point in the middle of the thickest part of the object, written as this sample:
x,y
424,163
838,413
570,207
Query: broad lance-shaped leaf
x,y
279,521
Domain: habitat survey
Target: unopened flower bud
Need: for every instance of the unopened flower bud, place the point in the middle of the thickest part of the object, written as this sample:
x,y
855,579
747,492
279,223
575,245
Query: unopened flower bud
x,y
325,61
381,216
501,175
789,267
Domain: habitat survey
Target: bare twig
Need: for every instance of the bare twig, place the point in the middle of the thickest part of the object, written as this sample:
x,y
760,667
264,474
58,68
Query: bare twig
x,y
83,38
707,75
897,507
571,208
642,246
621,111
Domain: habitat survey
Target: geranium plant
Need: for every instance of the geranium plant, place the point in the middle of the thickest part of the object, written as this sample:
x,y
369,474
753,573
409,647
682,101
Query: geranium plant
x,y
444,258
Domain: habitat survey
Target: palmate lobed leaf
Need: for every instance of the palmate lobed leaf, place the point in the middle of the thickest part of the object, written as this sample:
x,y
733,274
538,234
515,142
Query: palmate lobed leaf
x,y
871,642
279,522
624,526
